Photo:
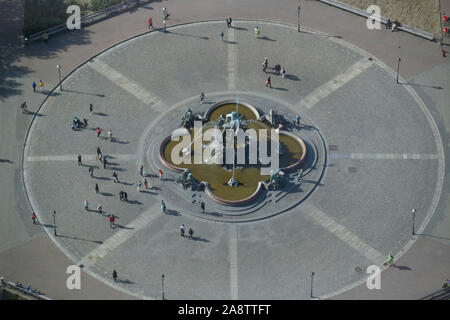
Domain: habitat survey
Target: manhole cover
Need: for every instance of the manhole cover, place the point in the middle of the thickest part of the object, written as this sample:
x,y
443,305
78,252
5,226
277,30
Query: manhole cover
x,y
333,147
358,269
352,169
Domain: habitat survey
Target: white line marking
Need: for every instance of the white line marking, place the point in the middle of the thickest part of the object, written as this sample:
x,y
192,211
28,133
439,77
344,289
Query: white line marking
x,y
232,61
120,236
384,156
233,263
334,84
127,84
88,157
343,233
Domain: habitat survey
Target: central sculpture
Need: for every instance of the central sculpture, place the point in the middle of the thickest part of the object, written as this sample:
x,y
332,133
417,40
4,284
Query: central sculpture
x,y
232,152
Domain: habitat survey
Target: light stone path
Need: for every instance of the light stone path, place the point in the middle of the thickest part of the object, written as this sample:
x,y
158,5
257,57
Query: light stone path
x,y
386,156
232,60
233,258
334,84
88,157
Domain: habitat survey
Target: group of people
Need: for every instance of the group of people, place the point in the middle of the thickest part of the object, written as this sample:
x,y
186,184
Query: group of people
x,y
77,123
183,230
392,25
278,70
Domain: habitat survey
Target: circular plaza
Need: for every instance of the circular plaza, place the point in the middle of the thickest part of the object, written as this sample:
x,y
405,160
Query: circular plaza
x,y
371,150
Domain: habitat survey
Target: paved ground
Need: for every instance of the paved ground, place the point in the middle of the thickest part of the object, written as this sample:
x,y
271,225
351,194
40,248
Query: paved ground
x,y
417,62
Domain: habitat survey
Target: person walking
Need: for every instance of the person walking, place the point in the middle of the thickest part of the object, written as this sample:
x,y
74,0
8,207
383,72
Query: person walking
x,y
91,108
91,172
265,64
99,152
96,188
99,131
202,97
138,185
121,195
229,20
390,260
221,36
256,31
112,220
145,184
150,24
34,218
99,210
191,233
269,82
202,206
86,205
182,230
104,162
163,206
109,134
141,171
79,159
41,86
164,25
165,13
283,73
115,177
125,196
160,174
34,86
298,121
114,275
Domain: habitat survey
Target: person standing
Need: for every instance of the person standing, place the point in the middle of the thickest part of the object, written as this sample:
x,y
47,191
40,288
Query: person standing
x,y
91,172
191,233
268,82
165,14
138,185
390,260
79,159
202,97
86,205
112,220
99,131
283,73
163,206
99,209
41,85
182,230
96,188
33,217
125,196
141,171
109,134
160,174
150,24
99,152
115,177
164,24
145,184
114,275
229,22
256,31
202,205
34,86
121,195
104,162
91,108
221,36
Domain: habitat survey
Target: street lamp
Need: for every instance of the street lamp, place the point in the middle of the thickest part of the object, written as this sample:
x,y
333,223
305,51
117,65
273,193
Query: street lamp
x,y
312,277
398,67
298,18
162,286
59,72
413,211
54,222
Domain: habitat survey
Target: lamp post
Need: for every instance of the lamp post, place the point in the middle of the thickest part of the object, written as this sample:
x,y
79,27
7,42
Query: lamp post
x,y
413,212
398,67
59,72
298,19
162,286
312,277
54,222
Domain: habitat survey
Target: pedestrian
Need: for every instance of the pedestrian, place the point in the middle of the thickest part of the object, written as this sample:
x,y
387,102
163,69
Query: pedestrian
x,y
138,185
191,233
33,217
41,85
99,210
163,206
121,195
91,108
91,172
115,177
145,184
390,260
109,135
182,230
141,171
99,152
34,86
202,205
164,10
202,97
268,82
221,36
256,31
283,73
96,188
125,196
298,121
86,205
79,159
99,131
114,274
160,174
229,20
104,162
150,24
112,219
265,64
